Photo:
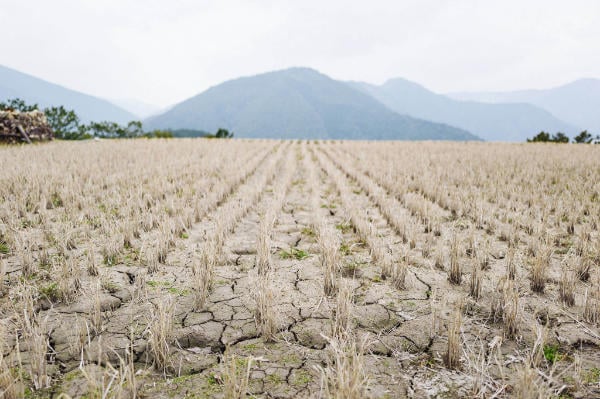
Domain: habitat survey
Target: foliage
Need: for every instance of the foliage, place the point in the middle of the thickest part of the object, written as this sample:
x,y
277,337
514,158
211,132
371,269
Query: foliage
x,y
541,137
112,130
159,134
583,138
221,134
133,129
551,353
17,104
51,292
560,138
544,137
295,253
177,133
190,133
64,123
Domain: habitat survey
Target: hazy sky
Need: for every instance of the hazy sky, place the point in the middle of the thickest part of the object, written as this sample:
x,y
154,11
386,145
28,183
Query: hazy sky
x,y
163,52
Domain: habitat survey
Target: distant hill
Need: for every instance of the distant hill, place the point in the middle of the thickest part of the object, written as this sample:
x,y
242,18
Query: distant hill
x,y
298,103
493,122
577,102
14,84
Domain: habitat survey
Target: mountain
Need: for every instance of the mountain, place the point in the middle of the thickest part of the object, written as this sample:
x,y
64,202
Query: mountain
x,y
138,108
15,84
297,103
577,102
493,122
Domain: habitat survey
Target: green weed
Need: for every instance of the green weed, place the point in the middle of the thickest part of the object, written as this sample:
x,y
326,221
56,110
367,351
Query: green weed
x,y
294,253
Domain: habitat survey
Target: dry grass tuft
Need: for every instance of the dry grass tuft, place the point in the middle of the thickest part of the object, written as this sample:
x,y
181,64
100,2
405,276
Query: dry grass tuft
x,y
439,257
236,376
263,248
35,334
346,375
11,386
95,312
112,251
151,261
342,322
529,384
536,356
264,313
540,264
160,332
511,312
202,275
427,247
583,267
511,263
140,287
455,273
399,270
28,266
506,307
591,305
162,250
454,350
475,284
484,257
330,258
69,283
92,266
111,382
2,277
437,304
566,286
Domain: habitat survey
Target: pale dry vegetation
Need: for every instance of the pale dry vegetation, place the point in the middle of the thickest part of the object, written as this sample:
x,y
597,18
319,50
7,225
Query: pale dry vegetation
x,y
247,268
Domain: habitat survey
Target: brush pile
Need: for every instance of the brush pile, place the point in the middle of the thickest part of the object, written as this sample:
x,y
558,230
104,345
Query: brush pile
x,y
18,126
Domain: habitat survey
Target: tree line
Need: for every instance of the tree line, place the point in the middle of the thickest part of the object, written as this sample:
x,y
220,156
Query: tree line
x,y
66,125
582,138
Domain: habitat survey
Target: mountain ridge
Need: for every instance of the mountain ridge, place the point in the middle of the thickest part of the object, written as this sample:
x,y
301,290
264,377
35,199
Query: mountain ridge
x,y
15,84
297,103
576,102
493,122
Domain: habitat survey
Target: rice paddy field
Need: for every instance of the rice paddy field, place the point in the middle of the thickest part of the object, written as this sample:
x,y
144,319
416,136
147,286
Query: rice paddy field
x,y
299,269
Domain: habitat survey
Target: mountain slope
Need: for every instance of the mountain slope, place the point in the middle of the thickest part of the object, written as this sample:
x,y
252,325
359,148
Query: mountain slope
x,y
297,103
577,102
494,122
15,84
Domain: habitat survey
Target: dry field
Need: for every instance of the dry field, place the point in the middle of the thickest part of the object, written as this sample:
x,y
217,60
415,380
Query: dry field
x,y
219,268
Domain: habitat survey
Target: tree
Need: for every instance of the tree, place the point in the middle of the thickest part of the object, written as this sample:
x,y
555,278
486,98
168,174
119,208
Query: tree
x,y
159,134
134,129
559,138
64,123
105,129
80,134
16,104
583,138
541,137
223,134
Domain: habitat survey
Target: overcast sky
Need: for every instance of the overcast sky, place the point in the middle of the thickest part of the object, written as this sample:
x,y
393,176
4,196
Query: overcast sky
x,y
162,52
